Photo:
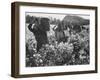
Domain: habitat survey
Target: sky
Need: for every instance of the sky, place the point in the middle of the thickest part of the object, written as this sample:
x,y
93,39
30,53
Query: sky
x,y
57,16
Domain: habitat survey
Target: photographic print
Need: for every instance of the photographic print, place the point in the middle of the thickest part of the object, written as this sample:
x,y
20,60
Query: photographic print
x,y
52,39
57,39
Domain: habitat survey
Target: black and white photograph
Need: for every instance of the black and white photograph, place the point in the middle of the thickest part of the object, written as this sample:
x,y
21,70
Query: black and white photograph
x,y
57,39
52,39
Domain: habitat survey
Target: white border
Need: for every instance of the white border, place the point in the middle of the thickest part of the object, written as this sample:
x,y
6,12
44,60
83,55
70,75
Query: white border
x,y
36,70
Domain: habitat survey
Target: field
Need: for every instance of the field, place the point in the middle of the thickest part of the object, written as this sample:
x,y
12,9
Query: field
x,y
75,51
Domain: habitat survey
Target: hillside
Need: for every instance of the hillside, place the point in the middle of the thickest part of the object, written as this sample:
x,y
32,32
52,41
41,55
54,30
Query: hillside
x,y
75,20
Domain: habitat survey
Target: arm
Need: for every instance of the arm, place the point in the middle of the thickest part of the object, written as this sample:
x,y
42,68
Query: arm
x,y
32,29
54,28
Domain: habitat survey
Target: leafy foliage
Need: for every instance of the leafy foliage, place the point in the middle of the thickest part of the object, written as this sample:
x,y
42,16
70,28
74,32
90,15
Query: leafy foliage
x,y
75,51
